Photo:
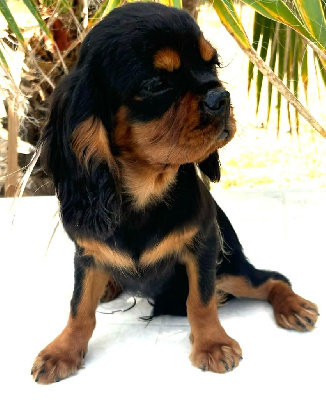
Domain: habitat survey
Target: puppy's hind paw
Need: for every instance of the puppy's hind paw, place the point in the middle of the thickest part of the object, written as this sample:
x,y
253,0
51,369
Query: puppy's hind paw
x,y
296,313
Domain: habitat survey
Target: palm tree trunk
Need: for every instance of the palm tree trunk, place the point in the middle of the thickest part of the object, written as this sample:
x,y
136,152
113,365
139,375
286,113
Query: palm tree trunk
x,y
12,163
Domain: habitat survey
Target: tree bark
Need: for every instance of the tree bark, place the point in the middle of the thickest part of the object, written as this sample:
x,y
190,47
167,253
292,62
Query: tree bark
x,y
12,156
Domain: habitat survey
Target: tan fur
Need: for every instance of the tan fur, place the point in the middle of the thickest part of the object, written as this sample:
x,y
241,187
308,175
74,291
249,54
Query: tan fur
x,y
111,292
173,243
64,356
167,59
240,287
89,141
105,255
146,183
206,50
171,140
291,311
212,348
151,152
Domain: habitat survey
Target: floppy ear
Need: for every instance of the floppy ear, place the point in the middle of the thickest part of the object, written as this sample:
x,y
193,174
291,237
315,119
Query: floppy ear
x,y
76,152
211,167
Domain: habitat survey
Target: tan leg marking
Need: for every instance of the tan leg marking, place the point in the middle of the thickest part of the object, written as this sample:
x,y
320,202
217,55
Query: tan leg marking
x,y
64,356
212,348
291,311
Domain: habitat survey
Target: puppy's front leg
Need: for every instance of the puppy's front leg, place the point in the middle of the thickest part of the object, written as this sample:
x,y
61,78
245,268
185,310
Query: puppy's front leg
x,y
65,354
212,348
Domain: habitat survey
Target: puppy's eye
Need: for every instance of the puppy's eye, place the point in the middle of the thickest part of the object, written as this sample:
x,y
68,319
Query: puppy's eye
x,y
153,87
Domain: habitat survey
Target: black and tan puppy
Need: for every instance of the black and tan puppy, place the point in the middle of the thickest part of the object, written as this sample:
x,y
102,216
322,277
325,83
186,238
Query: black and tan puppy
x,y
127,128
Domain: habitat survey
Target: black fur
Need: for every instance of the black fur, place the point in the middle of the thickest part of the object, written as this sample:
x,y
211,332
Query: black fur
x,y
127,132
114,66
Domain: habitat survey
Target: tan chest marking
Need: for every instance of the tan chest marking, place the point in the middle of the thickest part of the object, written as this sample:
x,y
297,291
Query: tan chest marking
x,y
105,255
173,243
146,185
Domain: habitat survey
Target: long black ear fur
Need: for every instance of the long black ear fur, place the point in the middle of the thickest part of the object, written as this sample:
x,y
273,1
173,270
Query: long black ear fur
x,y
211,167
88,199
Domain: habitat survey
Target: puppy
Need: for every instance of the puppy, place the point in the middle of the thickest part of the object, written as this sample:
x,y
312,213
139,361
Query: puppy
x,y
128,129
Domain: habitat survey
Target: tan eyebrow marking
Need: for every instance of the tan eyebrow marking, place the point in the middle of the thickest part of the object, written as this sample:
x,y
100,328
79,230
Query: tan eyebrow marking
x,y
167,59
206,50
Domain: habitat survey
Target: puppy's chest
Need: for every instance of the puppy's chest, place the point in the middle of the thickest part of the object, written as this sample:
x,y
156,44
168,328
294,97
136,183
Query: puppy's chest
x,y
134,251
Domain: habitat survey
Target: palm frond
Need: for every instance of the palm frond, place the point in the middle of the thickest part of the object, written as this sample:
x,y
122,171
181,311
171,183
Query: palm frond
x,y
230,19
104,9
37,15
313,17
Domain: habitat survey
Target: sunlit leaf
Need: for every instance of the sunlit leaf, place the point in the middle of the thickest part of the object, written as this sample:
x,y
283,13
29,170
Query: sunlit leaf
x,y
104,9
231,20
279,11
65,5
176,3
257,30
4,61
322,69
11,21
272,63
36,14
304,73
281,67
295,72
288,67
312,14
263,54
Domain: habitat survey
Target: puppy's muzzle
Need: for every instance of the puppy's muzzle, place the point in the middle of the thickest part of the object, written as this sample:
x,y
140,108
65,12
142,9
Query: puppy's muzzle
x,y
217,106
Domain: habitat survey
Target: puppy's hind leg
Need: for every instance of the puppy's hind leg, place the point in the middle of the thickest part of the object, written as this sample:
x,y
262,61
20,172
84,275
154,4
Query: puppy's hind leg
x,y
290,310
235,275
111,292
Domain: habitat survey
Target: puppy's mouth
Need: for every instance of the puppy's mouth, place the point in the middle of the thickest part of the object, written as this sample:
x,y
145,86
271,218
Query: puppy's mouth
x,y
224,135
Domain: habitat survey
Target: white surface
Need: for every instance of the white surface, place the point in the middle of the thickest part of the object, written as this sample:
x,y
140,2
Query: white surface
x,y
129,358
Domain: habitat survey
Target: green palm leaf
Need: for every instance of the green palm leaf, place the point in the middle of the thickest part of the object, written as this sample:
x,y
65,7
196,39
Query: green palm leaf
x,y
304,71
231,20
266,33
11,21
272,63
279,11
36,14
312,14
104,9
257,30
3,61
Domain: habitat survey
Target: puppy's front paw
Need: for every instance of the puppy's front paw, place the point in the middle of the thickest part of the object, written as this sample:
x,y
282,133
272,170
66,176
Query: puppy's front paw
x,y
216,356
57,361
294,312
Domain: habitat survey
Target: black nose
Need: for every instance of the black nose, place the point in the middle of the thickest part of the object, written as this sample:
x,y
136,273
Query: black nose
x,y
217,101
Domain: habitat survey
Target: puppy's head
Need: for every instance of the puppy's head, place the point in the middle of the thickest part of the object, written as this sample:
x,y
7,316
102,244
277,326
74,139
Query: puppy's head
x,y
158,94
146,89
